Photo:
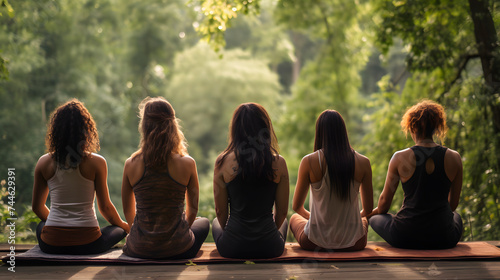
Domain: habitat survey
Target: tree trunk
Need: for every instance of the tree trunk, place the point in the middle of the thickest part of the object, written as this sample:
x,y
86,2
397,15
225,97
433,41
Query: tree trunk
x,y
489,51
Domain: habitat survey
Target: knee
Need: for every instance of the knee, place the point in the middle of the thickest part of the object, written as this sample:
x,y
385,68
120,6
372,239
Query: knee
x,y
215,223
295,218
202,223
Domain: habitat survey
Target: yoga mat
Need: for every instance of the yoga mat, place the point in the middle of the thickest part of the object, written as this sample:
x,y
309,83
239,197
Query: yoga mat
x,y
292,253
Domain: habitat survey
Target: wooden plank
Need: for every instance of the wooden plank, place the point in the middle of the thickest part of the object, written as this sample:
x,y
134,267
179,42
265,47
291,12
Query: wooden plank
x,y
299,271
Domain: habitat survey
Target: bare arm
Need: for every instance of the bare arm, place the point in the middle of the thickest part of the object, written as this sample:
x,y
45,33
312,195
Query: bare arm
x,y
456,183
128,197
366,189
282,194
192,194
302,188
106,207
390,187
220,197
40,192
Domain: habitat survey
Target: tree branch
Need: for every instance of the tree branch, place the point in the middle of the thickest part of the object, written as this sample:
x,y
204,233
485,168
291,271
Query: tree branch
x,y
461,68
327,24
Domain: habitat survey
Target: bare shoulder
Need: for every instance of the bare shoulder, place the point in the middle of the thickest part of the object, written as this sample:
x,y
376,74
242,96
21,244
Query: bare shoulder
x,y
44,164
131,162
229,160
363,160
44,160
281,162
280,168
187,161
402,154
453,156
452,153
312,157
96,159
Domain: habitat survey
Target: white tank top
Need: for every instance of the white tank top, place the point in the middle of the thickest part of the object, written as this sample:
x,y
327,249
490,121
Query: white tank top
x,y
71,199
333,223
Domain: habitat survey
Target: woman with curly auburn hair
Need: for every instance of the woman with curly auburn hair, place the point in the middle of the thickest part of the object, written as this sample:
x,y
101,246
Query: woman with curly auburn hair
x,y
431,176
72,174
156,180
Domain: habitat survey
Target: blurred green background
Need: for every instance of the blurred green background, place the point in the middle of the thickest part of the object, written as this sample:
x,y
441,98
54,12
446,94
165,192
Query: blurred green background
x,y
367,59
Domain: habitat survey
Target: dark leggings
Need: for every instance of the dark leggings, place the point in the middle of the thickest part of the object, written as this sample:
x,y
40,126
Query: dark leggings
x,y
200,229
236,249
110,235
382,225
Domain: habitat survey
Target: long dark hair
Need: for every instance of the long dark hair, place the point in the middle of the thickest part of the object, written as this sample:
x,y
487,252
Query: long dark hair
x,y
331,137
71,134
252,139
160,132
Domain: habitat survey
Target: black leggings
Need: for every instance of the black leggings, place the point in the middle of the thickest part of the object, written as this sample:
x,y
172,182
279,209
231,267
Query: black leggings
x,y
382,225
110,235
230,248
200,229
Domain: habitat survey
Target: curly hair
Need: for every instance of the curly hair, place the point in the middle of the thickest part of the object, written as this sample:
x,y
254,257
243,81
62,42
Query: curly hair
x,y
71,134
160,131
425,119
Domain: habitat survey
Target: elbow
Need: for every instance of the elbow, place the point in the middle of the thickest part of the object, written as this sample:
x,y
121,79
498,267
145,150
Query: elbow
x,y
296,207
37,209
105,210
366,212
193,210
383,206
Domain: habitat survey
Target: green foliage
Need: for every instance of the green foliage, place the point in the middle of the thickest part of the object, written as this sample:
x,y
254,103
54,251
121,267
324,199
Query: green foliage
x,y
4,72
436,33
205,90
216,17
330,78
439,39
4,5
24,224
295,57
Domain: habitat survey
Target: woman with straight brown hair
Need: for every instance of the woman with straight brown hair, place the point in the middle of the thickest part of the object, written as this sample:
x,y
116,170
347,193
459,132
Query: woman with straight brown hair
x,y
156,180
431,176
250,177
335,174
73,175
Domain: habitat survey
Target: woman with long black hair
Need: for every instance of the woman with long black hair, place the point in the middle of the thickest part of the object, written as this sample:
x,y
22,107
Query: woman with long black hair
x,y
336,174
250,177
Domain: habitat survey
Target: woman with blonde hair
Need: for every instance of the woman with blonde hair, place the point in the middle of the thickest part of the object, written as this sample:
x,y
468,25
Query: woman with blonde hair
x,y
157,179
431,176
73,175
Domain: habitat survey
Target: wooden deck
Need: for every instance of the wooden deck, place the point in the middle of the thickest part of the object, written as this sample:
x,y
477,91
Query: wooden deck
x,y
304,270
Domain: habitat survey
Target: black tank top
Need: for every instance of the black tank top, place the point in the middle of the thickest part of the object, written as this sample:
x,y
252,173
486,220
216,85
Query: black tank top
x,y
250,231
426,210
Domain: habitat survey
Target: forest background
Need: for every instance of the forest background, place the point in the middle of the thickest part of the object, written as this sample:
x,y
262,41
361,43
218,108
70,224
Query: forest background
x,y
368,59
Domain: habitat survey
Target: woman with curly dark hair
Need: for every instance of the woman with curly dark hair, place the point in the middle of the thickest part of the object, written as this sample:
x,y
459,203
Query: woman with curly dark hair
x,y
250,177
157,179
72,174
431,176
